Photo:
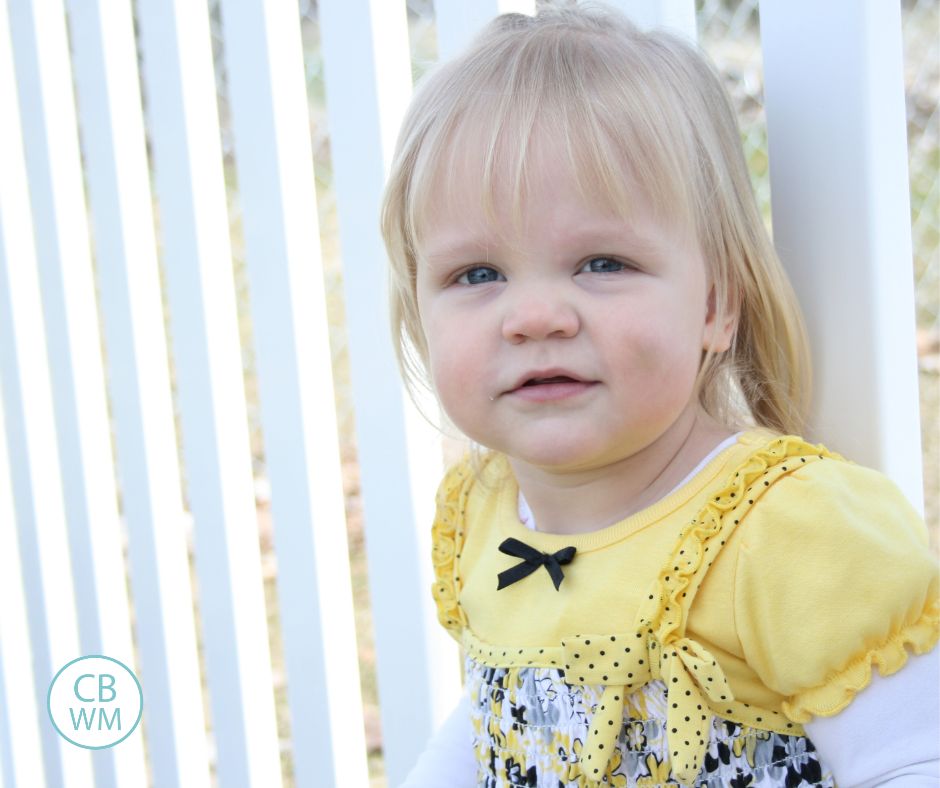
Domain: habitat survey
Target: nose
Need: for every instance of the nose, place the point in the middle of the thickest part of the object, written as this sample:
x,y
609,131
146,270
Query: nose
x,y
539,314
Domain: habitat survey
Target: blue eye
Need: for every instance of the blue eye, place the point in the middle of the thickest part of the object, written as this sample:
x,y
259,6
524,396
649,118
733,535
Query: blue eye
x,y
602,265
480,275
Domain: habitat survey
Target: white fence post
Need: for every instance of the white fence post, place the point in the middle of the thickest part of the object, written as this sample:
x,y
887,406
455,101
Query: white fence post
x,y
63,250
20,720
30,435
841,214
105,65
184,129
368,83
276,184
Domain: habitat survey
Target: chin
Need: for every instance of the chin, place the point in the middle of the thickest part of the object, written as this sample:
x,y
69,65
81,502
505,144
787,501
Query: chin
x,y
558,456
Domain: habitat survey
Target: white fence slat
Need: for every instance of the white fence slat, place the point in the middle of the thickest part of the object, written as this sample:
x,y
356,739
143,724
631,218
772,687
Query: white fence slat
x,y
30,434
105,66
368,83
276,182
676,15
841,215
63,251
457,21
184,127
20,746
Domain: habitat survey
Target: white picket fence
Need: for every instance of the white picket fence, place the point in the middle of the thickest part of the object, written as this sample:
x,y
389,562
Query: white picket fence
x,y
841,221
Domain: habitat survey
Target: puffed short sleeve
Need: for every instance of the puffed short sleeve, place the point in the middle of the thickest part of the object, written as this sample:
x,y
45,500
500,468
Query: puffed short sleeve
x,y
446,538
834,575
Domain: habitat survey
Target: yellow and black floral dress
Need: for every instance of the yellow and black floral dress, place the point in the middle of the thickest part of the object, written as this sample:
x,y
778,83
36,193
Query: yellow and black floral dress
x,y
687,643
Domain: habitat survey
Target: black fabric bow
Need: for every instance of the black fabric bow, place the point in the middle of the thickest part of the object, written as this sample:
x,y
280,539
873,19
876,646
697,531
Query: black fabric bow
x,y
532,559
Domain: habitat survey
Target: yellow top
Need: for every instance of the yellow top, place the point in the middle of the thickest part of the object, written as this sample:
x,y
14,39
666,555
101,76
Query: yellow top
x,y
761,591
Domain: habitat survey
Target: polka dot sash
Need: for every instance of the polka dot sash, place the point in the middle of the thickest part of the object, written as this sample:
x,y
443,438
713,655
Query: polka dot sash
x,y
624,663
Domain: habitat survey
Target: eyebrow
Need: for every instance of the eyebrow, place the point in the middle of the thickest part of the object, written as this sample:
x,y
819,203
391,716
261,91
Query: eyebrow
x,y
607,236
456,249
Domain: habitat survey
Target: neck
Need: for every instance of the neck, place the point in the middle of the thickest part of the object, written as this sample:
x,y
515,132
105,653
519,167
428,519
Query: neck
x,y
588,500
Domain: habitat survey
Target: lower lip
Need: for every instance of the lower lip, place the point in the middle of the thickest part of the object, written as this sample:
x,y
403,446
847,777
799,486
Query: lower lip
x,y
551,392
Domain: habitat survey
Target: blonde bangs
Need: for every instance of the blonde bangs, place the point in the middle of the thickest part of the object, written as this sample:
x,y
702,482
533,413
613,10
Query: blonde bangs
x,y
579,92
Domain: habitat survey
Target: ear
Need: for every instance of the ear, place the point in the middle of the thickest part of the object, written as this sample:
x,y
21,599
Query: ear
x,y
719,325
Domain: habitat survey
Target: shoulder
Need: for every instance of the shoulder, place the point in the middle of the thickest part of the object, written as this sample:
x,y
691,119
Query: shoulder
x,y
824,505
833,574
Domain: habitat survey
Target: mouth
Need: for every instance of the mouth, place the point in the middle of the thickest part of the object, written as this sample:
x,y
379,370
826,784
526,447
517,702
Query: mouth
x,y
550,384
552,379
547,377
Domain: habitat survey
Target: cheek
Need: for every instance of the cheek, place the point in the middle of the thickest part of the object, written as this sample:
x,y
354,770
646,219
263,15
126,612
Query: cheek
x,y
656,351
446,373
455,363
459,392
673,326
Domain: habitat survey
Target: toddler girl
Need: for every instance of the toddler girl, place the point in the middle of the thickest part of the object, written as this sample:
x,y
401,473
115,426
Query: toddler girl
x,y
652,580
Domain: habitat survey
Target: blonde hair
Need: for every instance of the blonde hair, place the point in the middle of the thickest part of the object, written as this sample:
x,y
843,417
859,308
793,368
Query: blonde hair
x,y
619,101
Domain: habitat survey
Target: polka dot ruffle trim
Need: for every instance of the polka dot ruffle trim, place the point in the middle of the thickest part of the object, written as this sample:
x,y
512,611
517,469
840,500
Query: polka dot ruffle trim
x,y
702,540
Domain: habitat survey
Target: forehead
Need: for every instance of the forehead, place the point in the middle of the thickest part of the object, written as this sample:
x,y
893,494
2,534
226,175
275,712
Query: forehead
x,y
505,188
553,212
